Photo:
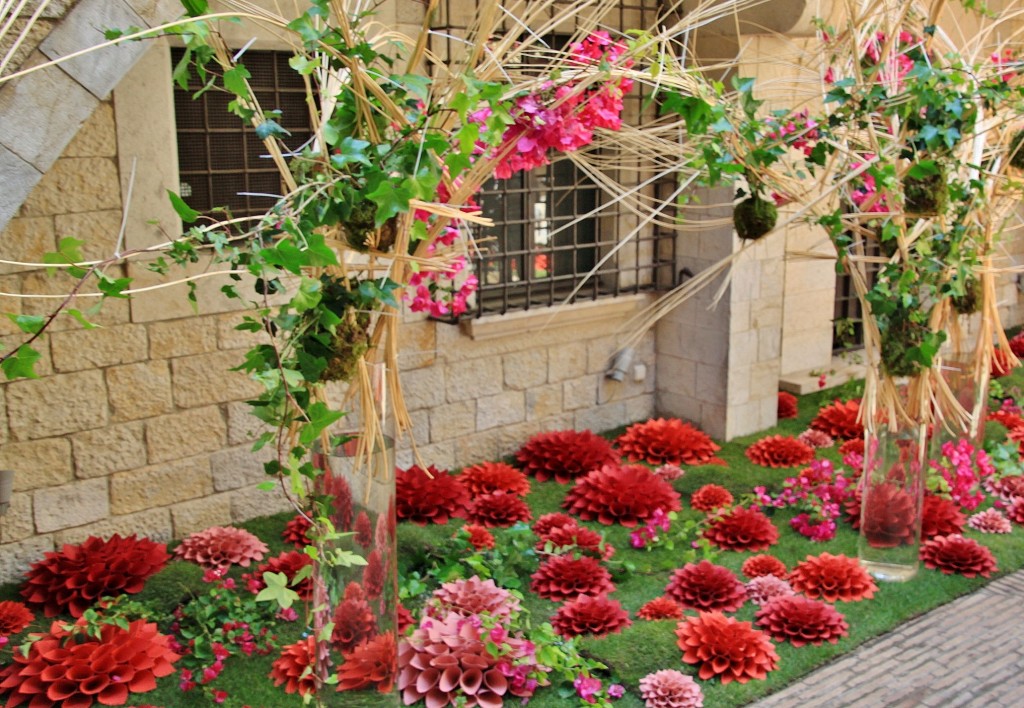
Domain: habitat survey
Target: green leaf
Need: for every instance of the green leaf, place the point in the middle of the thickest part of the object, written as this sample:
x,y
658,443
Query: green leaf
x,y
391,200
302,65
234,80
349,151
308,295
924,168
32,324
82,320
194,8
187,213
277,590
21,364
113,287
320,416
268,129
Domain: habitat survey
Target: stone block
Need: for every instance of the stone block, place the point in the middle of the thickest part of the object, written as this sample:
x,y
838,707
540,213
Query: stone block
x,y
17,523
600,418
71,505
75,184
500,410
452,420
17,557
742,350
712,381
424,388
139,390
117,447
525,369
230,337
26,239
566,361
243,426
198,514
154,524
177,435
44,365
769,343
56,405
207,378
440,454
39,463
579,393
478,447
239,467
419,428
60,284
418,345
156,12
482,377
251,502
100,347
600,353
12,306
185,337
543,402
99,230
20,178
97,137
640,408
3,417
160,485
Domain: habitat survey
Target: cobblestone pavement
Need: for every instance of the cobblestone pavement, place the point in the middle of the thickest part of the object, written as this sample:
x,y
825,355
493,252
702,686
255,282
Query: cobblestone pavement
x,y
969,652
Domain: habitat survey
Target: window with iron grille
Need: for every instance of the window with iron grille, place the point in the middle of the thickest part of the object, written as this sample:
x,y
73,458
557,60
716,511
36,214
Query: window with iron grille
x,y
221,161
848,315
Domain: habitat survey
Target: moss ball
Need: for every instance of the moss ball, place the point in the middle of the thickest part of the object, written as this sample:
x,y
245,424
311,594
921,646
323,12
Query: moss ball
x,y
754,217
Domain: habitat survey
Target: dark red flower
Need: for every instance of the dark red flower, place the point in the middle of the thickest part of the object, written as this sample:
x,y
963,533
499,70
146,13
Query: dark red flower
x,y
289,563
801,620
1017,344
956,554
564,455
1008,488
889,517
756,566
851,509
14,617
479,537
726,648
854,445
547,522
780,451
706,586
667,441
576,539
940,517
296,529
373,574
660,608
711,497
74,578
364,530
490,477
832,578
787,405
338,494
840,420
220,547
590,615
354,621
742,529
1001,365
295,667
372,664
562,578
78,671
1010,421
498,509
627,495
429,496
405,618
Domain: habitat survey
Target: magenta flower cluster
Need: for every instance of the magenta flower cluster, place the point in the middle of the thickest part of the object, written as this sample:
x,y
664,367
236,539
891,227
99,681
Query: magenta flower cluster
x,y
958,474
641,537
818,492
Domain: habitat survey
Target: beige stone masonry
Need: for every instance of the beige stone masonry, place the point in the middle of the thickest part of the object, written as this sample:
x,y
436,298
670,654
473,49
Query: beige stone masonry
x,y
26,240
160,485
238,467
452,420
206,378
18,523
96,137
185,337
500,410
98,229
152,523
117,447
39,463
183,434
52,406
75,185
75,350
482,378
524,370
71,505
140,390
189,517
251,502
17,557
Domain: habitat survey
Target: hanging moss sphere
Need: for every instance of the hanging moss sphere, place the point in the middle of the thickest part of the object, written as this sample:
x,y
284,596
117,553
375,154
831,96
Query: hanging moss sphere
x,y
970,301
754,217
1017,150
926,195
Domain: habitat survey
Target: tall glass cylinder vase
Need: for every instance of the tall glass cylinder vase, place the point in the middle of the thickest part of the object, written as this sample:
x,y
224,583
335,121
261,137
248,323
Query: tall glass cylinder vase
x,y
959,374
892,490
356,575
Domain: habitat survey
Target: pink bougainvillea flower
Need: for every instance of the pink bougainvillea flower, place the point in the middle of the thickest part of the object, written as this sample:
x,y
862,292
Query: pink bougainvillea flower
x,y
725,647
667,441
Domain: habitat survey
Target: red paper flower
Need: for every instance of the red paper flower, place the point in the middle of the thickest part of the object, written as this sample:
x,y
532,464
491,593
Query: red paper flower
x,y
787,405
576,538
490,477
1017,344
765,564
1016,510
593,616
295,667
546,523
816,439
990,521
940,517
564,455
726,648
498,509
78,671
289,563
839,420
956,554
295,531
429,496
354,621
706,586
1001,365
780,451
711,497
1008,488
801,620
72,579
851,509
364,530
660,608
374,663
14,617
852,446
627,495
220,547
765,588
832,578
669,688
667,441
1010,421
670,473
562,578
888,519
373,574
742,529
405,619
338,493
473,596
479,537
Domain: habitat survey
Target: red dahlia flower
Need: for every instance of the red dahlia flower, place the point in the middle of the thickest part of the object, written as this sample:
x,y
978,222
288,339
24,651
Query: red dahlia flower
x,y
339,493
840,420
1008,488
364,530
1017,344
956,554
429,496
564,455
354,621
295,667
706,586
765,564
940,517
546,523
660,608
220,547
562,578
576,538
479,537
725,647
14,618
473,596
405,618
289,563
889,517
787,405
374,663
1001,365
832,578
669,688
490,477
990,521
373,574
780,451
854,446
72,579
498,509
711,497
667,441
593,616
627,495
801,620
61,669
1010,421
296,529
742,529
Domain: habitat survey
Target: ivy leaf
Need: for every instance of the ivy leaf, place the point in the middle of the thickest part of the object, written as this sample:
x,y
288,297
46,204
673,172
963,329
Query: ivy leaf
x,y
391,200
21,364
82,320
187,213
31,324
234,80
113,287
68,251
924,168
269,129
277,590
320,416
350,150
194,8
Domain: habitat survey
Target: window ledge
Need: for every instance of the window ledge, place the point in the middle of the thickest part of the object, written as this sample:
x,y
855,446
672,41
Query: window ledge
x,y
582,313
